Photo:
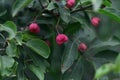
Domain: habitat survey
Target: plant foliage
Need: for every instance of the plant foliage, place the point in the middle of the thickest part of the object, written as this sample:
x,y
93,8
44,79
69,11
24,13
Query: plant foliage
x,y
36,56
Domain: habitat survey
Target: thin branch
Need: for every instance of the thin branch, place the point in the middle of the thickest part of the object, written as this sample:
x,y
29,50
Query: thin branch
x,y
41,4
57,25
2,36
81,9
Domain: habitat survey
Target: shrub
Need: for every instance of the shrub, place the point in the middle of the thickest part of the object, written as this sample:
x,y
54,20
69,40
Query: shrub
x,y
59,39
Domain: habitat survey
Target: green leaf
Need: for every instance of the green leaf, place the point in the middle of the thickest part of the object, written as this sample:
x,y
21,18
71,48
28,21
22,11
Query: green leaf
x,y
11,49
38,71
64,14
39,46
20,71
70,54
28,36
9,27
105,31
88,69
104,69
51,6
107,3
55,67
100,46
3,13
37,60
78,17
43,20
83,1
109,24
82,69
71,49
74,73
19,38
97,4
18,5
72,28
117,63
86,34
110,14
3,9
115,4
104,55
6,64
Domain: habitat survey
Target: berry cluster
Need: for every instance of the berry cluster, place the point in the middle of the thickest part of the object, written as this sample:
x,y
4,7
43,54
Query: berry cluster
x,y
62,38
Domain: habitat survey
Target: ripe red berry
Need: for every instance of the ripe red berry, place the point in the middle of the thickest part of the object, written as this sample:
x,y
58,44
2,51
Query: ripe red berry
x,y
34,28
70,3
95,21
82,47
61,38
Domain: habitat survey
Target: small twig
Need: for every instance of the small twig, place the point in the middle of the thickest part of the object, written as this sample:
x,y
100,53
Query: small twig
x,y
2,36
41,4
29,60
35,18
57,25
4,39
38,15
81,9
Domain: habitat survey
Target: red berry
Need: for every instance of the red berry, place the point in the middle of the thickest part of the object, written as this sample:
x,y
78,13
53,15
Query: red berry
x,y
61,38
82,47
95,21
34,28
70,3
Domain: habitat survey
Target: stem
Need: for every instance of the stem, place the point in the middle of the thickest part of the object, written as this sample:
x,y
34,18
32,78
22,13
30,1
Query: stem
x,y
29,60
39,14
4,39
81,9
35,18
57,25
2,36
41,4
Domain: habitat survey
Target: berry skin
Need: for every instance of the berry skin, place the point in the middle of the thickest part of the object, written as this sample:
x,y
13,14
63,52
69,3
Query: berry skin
x,y
61,38
34,28
95,21
70,3
82,47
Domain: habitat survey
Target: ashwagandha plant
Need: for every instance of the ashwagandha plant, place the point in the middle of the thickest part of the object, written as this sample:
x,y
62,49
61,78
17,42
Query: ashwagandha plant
x,y
59,39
